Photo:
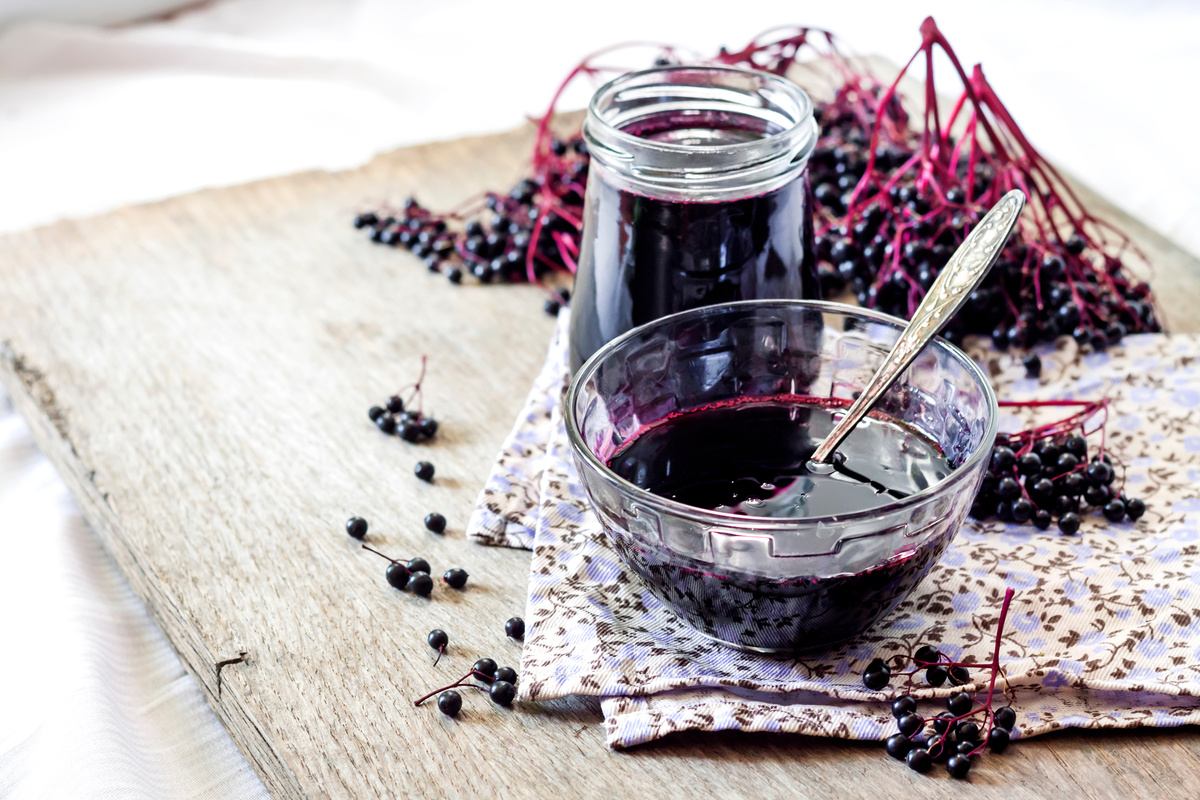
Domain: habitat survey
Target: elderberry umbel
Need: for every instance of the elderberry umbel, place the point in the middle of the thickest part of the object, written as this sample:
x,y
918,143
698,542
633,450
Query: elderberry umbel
x,y
513,237
402,416
960,733
1051,472
894,195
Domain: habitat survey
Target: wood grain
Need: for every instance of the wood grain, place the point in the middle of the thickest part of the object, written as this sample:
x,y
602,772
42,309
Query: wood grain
x,y
199,371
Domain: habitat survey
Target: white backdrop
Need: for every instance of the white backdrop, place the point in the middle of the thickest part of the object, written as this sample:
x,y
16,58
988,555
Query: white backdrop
x,y
96,704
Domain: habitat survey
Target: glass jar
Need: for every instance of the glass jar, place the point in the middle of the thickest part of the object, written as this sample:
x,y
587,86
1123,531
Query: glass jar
x,y
697,194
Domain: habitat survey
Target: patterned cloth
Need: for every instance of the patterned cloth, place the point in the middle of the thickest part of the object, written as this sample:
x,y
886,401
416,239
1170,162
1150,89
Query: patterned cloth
x,y
1104,630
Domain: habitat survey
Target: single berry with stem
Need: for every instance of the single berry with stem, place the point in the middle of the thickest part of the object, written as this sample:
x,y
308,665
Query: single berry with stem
x,y
449,703
438,640
397,574
485,668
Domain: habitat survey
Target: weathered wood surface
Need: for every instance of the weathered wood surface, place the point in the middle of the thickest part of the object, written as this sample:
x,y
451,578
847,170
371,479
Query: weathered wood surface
x,y
199,371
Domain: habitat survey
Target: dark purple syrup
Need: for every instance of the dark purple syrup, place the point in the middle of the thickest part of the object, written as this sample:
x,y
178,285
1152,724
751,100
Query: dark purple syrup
x,y
643,258
749,457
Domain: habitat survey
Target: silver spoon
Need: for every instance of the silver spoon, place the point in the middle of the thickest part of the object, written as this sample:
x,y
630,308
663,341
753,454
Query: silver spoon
x,y
962,273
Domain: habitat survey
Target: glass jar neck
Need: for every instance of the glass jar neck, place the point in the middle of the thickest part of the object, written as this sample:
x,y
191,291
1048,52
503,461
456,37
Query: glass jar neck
x,y
700,134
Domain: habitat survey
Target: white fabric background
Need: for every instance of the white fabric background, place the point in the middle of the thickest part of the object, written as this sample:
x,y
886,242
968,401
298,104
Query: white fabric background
x,y
95,702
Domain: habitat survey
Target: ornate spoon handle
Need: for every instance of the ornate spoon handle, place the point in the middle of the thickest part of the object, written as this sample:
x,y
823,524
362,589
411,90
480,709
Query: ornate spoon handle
x,y
962,273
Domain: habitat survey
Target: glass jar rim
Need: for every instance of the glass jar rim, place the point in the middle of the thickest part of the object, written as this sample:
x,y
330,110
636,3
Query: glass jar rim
x,y
716,171
772,524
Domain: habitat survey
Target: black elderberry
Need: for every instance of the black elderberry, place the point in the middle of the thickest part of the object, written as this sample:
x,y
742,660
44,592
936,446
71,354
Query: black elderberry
x,y
552,307
902,705
958,766
449,702
515,628
424,471
375,412
1021,511
1005,717
1033,365
1068,523
877,674
438,639
455,275
398,576
966,746
1076,444
1029,464
455,578
919,760
967,731
910,723
936,675
959,703
960,675
435,522
1008,488
365,220
898,746
1066,504
1097,495
395,404
942,722
410,432
486,668
998,740
1042,487
507,674
418,564
1066,463
356,527
1073,485
428,426
1042,519
1099,473
1114,511
502,693
1075,244
926,654
420,583
387,424
1135,508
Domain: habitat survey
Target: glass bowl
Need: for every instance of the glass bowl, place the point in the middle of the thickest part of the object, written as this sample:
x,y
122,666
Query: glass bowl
x,y
776,584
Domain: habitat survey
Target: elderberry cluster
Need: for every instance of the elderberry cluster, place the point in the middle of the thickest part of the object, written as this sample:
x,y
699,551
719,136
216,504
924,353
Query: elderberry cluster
x,y
955,736
889,252
1051,479
394,420
518,236
499,682
413,574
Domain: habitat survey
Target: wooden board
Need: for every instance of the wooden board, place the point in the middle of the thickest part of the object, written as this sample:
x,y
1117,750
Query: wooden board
x,y
199,371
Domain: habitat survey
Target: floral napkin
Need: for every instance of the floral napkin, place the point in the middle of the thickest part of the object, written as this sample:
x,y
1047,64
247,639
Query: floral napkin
x,y
1104,631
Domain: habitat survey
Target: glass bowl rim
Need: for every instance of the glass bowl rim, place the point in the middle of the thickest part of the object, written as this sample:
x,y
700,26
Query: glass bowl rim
x,y
770,524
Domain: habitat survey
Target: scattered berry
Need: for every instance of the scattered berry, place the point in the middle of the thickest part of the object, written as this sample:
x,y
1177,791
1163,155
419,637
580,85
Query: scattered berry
x,y
438,639
421,584
357,527
485,667
435,522
502,692
515,628
449,702
397,575
456,578
424,471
